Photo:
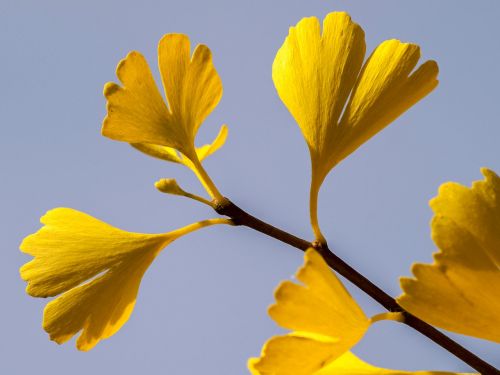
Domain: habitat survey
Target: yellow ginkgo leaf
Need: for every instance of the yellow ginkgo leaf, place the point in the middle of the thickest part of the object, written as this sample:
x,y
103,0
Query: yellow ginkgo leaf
x,y
295,354
137,112
460,290
337,102
349,364
325,319
208,149
95,267
172,155
159,152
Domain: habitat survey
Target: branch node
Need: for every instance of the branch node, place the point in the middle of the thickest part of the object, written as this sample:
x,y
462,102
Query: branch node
x,y
221,206
319,246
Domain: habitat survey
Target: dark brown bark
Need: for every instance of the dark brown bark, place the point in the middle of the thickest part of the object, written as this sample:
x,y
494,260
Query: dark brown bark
x,y
241,217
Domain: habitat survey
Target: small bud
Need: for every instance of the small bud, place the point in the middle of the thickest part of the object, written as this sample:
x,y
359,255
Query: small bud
x,y
169,186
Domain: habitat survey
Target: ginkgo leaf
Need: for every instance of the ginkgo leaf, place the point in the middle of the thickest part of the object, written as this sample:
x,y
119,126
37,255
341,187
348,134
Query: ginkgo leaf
x,y
295,354
94,267
137,112
172,155
349,364
208,149
159,152
460,290
337,102
320,305
325,319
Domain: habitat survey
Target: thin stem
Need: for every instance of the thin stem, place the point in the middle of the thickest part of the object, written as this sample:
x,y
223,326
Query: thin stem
x,y
395,316
198,198
240,217
313,205
205,180
198,225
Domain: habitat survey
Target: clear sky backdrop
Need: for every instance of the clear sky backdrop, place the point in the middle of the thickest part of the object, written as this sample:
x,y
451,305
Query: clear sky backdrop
x,y
202,304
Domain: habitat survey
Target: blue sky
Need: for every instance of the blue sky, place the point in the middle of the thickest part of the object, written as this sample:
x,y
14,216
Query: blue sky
x,y
202,304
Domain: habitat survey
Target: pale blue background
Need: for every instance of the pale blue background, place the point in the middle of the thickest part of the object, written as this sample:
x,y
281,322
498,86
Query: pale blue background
x,y
202,304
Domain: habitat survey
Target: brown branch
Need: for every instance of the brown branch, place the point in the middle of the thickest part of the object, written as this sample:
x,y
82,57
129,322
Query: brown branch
x,y
241,217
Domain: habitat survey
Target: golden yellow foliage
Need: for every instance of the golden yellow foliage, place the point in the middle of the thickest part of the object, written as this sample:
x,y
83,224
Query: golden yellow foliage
x,y
460,290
